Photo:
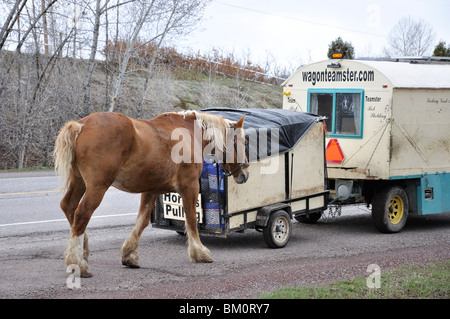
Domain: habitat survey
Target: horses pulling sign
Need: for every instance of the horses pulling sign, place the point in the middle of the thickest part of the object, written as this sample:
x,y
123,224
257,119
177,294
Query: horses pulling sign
x,y
152,157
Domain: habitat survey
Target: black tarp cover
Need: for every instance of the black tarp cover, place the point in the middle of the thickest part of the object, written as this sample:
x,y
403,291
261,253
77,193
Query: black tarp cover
x,y
288,128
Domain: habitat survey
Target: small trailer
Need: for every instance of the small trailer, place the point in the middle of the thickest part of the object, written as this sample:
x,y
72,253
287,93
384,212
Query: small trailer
x,y
388,133
287,179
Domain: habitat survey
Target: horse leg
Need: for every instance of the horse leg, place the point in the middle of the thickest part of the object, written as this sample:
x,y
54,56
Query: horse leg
x,y
197,251
70,202
129,253
77,240
73,195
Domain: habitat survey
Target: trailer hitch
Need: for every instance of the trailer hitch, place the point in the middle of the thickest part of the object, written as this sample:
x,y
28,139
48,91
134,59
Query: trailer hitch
x,y
334,210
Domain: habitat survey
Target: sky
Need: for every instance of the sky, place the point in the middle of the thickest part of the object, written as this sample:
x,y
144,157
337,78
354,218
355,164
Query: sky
x,y
297,32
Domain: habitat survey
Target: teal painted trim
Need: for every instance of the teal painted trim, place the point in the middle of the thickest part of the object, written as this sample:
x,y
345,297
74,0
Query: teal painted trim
x,y
333,122
433,194
333,134
405,177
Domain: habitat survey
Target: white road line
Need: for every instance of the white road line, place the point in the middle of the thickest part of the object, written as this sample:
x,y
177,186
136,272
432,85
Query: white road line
x,y
43,192
27,193
63,220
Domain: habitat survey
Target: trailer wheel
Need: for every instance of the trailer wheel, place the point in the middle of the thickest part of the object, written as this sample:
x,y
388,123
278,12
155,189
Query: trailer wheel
x,y
390,209
278,230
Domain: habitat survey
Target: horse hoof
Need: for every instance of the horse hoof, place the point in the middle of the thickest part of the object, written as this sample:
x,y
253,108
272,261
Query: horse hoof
x,y
85,274
131,263
130,259
202,259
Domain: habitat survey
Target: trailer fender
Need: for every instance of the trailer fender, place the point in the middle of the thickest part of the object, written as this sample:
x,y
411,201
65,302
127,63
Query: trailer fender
x,y
263,215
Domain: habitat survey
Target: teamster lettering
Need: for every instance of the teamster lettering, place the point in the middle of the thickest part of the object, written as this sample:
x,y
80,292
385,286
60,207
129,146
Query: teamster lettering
x,y
373,98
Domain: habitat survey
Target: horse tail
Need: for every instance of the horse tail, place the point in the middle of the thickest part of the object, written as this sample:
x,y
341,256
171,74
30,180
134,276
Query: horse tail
x,y
64,152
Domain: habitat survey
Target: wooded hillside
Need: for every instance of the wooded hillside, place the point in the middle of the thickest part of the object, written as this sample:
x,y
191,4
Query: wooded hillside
x,y
63,60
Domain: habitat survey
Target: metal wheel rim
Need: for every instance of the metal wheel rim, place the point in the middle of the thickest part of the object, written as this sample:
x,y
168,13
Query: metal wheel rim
x,y
280,229
395,210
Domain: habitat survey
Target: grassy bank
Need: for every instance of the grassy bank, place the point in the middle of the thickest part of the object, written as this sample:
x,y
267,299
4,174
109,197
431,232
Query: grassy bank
x,y
431,281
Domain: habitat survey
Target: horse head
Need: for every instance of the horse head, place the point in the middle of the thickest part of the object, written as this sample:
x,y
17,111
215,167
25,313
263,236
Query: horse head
x,y
235,161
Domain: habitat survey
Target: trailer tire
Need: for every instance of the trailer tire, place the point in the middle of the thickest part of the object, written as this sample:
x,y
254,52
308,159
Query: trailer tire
x,y
390,209
278,230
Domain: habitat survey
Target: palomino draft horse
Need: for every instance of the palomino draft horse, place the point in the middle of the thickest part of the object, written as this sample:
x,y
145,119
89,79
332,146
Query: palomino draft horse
x,y
137,156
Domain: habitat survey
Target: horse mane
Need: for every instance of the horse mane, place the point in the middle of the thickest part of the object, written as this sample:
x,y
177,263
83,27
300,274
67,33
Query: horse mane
x,y
214,127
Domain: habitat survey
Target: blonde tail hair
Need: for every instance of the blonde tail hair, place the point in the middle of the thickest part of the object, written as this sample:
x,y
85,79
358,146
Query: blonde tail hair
x,y
64,152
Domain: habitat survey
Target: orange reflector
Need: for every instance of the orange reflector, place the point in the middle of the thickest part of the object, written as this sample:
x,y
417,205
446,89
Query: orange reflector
x,y
333,153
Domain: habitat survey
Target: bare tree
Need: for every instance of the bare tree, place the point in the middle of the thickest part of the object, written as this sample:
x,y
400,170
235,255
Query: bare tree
x,y
99,9
158,19
22,38
11,19
410,37
175,18
45,28
143,11
36,102
33,85
45,80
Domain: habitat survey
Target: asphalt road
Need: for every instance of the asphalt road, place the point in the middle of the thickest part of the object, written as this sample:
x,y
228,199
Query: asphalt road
x,y
34,232
29,203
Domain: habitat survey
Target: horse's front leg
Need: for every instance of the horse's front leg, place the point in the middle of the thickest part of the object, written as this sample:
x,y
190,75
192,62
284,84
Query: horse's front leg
x,y
129,253
197,251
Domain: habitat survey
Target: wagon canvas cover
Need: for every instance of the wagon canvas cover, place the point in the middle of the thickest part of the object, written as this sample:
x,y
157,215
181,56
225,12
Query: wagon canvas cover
x,y
260,125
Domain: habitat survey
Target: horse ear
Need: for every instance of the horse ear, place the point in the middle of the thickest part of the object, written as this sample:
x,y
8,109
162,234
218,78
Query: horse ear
x,y
240,123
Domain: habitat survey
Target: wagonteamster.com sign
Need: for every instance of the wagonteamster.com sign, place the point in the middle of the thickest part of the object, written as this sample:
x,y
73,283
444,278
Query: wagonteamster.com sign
x,y
338,76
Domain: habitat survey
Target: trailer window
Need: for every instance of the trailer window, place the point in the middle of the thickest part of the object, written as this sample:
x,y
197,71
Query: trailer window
x,y
343,109
348,117
322,104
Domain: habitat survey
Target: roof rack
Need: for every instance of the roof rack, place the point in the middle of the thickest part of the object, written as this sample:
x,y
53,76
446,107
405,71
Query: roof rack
x,y
412,59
